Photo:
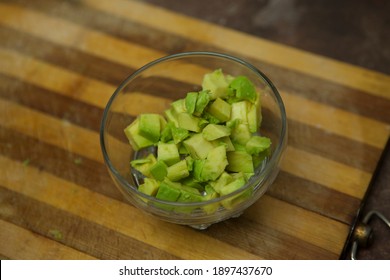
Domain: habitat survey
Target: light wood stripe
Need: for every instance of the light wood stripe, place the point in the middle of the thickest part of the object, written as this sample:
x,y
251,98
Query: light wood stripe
x,y
85,142
113,214
97,93
287,218
372,82
335,175
19,243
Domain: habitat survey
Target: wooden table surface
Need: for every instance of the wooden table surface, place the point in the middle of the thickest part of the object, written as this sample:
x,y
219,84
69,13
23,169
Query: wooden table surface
x,y
59,64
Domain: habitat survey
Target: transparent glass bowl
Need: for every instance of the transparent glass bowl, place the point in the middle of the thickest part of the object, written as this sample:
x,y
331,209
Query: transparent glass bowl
x,y
151,89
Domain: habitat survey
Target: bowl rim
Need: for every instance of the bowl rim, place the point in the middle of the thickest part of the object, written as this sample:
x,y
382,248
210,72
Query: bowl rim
x,y
265,172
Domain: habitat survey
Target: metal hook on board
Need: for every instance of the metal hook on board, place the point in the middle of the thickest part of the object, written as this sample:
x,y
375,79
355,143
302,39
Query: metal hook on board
x,y
363,234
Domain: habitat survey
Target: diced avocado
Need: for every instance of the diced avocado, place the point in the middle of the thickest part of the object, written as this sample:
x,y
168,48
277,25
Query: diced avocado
x,y
226,141
166,133
240,111
253,119
239,162
188,122
182,149
259,158
190,163
198,169
168,153
178,106
179,134
220,109
257,144
149,187
241,134
215,131
159,170
201,102
136,141
189,194
214,164
217,83
168,191
197,146
190,102
144,165
243,89
210,194
223,180
191,182
236,184
208,118
178,171
150,126
233,185
171,116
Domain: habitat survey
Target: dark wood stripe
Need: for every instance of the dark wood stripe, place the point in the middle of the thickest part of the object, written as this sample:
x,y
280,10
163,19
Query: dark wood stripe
x,y
266,242
313,196
313,88
73,231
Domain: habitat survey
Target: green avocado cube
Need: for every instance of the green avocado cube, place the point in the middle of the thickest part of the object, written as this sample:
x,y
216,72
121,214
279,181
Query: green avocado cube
x,y
190,102
221,182
231,202
150,126
215,131
252,118
197,169
168,153
243,89
201,102
136,140
171,116
149,187
225,141
166,133
216,83
178,171
239,161
188,122
168,191
178,106
257,144
210,194
159,170
220,109
241,134
214,164
143,165
197,146
179,134
240,111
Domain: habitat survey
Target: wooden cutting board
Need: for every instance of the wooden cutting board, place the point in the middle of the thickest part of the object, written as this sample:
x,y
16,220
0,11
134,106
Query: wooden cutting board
x,y
59,64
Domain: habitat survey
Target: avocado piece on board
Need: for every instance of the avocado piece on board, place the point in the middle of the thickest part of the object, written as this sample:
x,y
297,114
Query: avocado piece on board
x,y
136,140
150,126
239,161
197,146
178,171
190,102
159,170
168,153
215,131
220,109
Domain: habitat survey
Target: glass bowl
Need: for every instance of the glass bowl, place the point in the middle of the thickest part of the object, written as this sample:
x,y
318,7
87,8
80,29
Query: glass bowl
x,y
150,90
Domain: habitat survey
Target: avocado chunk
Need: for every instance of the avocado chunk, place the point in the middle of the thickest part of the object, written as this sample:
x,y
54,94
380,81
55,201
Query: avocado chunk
x,y
243,89
188,122
201,102
166,133
149,187
178,171
225,141
216,83
197,146
143,165
210,194
168,191
257,144
190,102
240,111
240,161
150,126
233,186
214,164
168,153
179,134
159,170
241,134
220,109
136,140
171,116
215,131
